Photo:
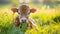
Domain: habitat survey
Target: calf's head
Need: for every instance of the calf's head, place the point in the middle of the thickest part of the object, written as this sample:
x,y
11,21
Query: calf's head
x,y
23,12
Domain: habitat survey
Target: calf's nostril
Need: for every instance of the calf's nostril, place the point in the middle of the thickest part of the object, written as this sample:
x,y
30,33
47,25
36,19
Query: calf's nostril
x,y
25,20
22,20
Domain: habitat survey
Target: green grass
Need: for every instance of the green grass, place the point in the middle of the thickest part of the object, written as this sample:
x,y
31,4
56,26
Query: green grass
x,y
43,17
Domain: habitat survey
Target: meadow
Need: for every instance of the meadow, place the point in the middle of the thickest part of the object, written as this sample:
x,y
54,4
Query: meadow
x,y
47,19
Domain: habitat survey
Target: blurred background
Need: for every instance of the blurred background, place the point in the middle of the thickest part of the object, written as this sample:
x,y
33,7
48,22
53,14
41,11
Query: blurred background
x,y
47,17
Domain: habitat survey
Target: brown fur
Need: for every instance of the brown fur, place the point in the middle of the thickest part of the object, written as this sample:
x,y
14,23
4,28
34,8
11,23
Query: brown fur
x,y
23,9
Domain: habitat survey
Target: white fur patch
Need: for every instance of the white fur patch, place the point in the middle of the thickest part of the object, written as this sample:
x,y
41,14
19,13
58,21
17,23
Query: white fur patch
x,y
19,14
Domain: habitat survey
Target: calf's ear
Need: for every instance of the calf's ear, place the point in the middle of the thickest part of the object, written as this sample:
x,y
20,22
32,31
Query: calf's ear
x,y
14,10
33,10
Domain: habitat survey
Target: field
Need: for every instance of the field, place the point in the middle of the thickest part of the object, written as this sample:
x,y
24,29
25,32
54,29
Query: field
x,y
47,19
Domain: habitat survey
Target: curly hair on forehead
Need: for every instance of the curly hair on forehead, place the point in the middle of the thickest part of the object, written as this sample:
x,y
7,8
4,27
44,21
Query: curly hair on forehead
x,y
24,7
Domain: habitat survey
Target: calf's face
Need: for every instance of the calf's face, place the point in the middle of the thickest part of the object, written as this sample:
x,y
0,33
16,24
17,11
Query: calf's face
x,y
23,13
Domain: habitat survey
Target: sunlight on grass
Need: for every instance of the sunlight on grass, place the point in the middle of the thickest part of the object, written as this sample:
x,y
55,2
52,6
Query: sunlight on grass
x,y
43,17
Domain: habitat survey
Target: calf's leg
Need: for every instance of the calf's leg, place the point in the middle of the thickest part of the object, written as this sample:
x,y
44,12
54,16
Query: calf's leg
x,y
16,21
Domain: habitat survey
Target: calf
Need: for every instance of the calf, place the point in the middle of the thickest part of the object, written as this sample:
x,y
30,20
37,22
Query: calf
x,y
23,16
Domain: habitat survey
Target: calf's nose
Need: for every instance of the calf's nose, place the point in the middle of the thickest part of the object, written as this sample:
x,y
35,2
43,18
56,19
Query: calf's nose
x,y
24,21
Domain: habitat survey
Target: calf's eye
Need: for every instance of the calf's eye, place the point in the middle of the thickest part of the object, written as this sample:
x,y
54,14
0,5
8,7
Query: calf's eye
x,y
18,13
28,13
